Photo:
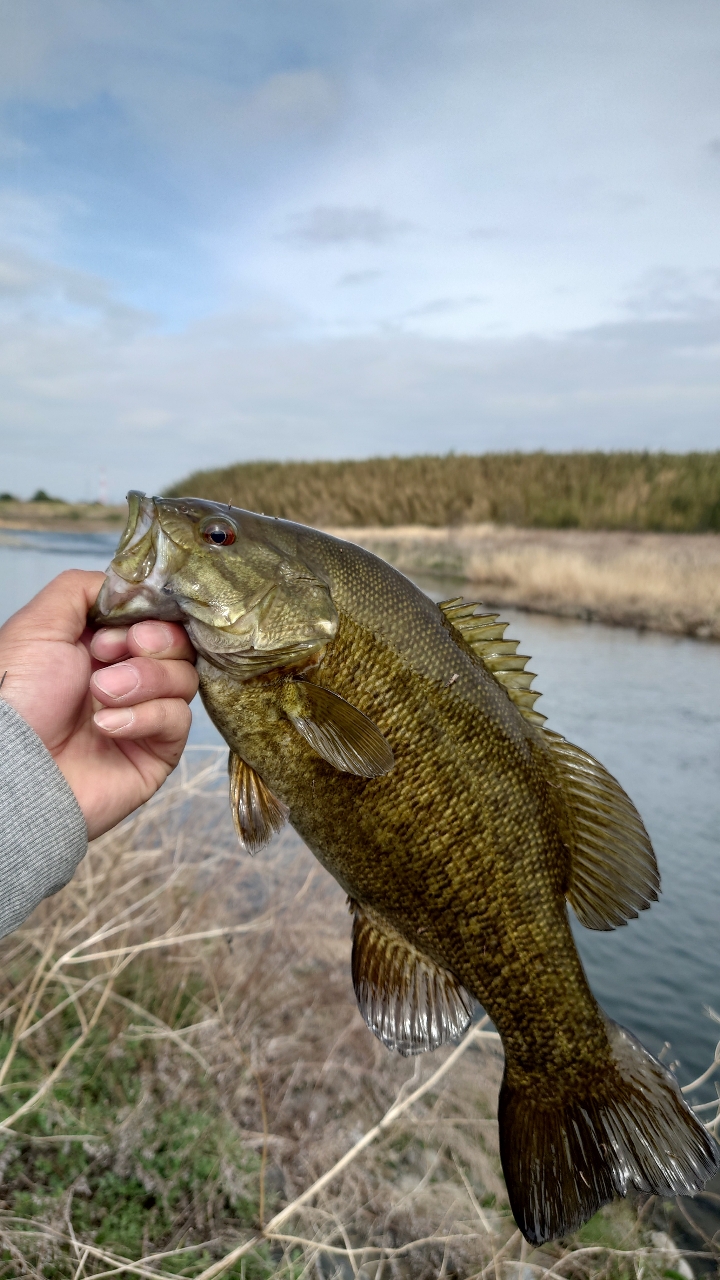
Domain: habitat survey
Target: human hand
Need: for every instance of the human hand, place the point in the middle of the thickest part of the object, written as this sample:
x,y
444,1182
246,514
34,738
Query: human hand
x,y
110,705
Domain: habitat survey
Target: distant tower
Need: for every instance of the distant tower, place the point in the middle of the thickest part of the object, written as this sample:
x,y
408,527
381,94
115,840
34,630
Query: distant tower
x,y
103,488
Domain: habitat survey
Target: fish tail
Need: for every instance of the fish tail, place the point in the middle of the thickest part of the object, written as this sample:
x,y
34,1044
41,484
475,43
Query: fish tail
x,y
565,1158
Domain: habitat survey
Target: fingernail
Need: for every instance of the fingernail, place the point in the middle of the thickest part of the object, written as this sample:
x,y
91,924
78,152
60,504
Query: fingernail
x,y
112,718
108,638
152,636
117,681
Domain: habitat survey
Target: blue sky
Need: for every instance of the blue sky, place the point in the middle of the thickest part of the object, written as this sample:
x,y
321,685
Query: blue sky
x,y
326,228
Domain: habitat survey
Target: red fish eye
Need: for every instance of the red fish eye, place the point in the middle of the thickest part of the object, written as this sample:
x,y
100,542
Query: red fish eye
x,y
219,533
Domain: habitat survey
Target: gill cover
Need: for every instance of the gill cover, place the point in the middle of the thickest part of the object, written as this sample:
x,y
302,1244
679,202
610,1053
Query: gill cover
x,y
249,604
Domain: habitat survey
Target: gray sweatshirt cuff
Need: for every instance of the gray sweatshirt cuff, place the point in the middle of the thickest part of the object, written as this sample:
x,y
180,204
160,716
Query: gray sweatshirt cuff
x,y
43,835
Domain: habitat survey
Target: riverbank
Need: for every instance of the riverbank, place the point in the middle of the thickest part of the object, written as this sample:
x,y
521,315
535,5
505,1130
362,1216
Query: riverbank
x,y
62,517
654,581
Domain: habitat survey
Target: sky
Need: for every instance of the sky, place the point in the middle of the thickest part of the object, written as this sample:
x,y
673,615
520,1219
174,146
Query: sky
x,y
252,229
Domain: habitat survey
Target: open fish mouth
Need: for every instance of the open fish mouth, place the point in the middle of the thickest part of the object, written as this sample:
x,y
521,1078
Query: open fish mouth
x,y
136,584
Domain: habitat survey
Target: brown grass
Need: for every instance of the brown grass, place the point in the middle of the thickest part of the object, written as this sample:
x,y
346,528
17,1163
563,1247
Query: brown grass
x,y
664,582
180,1028
654,491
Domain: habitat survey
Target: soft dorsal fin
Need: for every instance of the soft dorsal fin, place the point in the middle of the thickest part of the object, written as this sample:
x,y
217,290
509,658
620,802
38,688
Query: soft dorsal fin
x,y
257,813
408,1001
613,872
485,635
336,730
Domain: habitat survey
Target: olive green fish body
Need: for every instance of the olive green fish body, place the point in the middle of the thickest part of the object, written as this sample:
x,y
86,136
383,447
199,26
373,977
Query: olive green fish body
x,y
457,846
400,739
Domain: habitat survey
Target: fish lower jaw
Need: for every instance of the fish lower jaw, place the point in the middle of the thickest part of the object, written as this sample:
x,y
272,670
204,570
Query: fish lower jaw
x,y
121,601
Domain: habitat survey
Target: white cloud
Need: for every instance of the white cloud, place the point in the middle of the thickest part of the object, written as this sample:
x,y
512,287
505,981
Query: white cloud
x,y
34,290
407,227
151,407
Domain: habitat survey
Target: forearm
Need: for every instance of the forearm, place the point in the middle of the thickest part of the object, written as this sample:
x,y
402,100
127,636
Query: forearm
x,y
43,835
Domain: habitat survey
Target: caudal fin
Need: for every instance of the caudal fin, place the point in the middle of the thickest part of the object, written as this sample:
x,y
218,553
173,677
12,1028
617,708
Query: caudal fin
x,y
562,1161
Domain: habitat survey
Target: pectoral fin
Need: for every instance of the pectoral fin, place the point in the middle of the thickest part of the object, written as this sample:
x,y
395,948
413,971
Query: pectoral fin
x,y
613,872
257,813
408,1001
339,733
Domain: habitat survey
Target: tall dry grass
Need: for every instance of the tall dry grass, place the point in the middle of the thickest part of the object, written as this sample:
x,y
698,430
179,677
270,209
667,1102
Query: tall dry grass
x,y
663,582
187,1087
643,491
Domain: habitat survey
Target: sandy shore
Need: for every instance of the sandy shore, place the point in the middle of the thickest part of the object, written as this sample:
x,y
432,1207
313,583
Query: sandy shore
x,y
656,581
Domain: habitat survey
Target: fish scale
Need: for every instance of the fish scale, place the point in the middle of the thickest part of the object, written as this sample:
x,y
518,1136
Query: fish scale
x,y
401,739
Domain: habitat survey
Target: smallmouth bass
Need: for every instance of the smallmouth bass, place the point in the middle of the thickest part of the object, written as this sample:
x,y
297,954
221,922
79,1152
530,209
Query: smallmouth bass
x,y
401,740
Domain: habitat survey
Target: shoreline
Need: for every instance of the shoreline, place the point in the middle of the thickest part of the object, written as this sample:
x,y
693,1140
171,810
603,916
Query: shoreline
x,y
667,582
62,517
664,582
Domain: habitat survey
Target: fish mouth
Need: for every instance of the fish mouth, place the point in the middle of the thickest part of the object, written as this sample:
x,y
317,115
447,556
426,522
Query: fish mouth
x,y
136,584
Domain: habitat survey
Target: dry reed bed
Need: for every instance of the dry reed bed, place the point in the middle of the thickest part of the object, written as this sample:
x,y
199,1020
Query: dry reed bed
x,y
677,493
659,581
187,1087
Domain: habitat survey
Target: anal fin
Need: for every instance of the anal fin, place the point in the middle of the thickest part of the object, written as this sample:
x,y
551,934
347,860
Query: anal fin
x,y
336,730
257,813
408,1001
613,871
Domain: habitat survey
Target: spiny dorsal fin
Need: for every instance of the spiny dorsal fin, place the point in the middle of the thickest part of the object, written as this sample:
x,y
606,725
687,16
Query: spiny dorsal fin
x,y
336,730
408,1001
257,813
485,635
613,872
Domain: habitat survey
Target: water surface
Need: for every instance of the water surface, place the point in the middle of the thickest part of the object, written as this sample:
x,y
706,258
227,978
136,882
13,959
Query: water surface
x,y
648,706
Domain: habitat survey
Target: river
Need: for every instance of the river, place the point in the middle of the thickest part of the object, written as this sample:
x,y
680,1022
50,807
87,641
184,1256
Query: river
x,y
648,706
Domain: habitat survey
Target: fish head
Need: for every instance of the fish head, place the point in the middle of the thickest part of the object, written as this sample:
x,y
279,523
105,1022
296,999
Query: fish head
x,y
248,602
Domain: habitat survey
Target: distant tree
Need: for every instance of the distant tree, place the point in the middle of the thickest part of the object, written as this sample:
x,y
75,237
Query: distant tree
x,y
41,496
8,497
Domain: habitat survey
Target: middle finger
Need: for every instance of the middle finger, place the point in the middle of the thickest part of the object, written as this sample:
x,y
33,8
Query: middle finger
x,y
142,679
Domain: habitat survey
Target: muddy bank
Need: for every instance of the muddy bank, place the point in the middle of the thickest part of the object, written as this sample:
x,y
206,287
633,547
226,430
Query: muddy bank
x,y
657,581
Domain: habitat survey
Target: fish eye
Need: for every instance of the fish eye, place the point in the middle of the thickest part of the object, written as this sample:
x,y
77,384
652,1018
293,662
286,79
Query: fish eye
x,y
218,533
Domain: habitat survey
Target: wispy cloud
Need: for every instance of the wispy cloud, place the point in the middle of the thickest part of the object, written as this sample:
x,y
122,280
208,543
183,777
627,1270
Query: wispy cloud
x,y
447,306
333,225
352,278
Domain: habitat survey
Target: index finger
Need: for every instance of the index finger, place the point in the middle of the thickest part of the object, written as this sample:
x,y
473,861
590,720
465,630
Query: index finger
x,y
148,639
159,640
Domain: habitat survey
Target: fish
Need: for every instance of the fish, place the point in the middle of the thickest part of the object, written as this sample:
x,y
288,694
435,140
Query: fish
x,y
401,740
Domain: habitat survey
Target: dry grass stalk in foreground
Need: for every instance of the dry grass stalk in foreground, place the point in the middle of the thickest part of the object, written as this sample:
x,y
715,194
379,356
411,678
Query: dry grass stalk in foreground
x,y
183,1062
660,581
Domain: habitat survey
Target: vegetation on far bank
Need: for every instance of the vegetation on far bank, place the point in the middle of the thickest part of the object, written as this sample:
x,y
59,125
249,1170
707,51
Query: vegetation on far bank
x,y
45,512
662,492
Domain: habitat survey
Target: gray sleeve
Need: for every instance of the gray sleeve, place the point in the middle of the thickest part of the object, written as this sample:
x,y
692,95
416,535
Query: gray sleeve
x,y
43,835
